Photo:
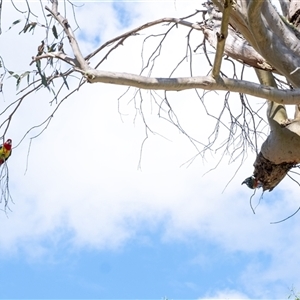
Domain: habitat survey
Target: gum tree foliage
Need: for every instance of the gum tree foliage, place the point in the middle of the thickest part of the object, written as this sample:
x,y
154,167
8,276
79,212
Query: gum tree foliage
x,y
244,32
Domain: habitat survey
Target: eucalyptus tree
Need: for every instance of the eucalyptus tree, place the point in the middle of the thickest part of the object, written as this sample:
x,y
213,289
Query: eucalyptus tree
x,y
248,33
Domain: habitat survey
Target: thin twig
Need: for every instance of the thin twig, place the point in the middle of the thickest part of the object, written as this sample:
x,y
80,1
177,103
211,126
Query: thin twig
x,y
286,218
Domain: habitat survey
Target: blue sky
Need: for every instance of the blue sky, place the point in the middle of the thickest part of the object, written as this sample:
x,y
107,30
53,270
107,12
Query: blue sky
x,y
87,222
135,271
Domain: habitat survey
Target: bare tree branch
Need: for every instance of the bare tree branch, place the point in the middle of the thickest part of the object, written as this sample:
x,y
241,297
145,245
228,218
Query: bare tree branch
x,y
250,32
58,55
80,61
135,31
276,112
237,48
199,82
221,36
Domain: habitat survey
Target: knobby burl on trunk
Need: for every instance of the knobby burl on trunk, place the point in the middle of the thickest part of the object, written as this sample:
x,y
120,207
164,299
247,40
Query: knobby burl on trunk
x,y
262,38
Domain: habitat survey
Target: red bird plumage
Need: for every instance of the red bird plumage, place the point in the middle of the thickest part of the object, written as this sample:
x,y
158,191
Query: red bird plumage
x,y
5,151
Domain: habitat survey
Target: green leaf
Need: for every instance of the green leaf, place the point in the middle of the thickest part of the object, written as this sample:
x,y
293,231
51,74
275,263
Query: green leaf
x,y
14,23
13,74
54,31
33,24
28,78
21,77
44,80
65,80
25,28
29,26
52,48
18,83
25,74
38,66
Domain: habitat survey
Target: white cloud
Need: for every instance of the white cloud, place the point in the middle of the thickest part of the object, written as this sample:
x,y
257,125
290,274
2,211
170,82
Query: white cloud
x,y
83,185
226,294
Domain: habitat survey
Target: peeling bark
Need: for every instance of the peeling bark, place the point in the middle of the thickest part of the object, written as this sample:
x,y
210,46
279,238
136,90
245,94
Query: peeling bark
x,y
237,48
268,173
283,144
267,42
294,13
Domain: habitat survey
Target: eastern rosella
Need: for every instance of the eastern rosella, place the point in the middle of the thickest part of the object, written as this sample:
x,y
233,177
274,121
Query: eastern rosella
x,y
5,151
252,182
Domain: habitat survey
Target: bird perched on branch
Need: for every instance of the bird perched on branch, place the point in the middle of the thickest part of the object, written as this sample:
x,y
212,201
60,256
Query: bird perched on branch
x,y
41,48
5,151
252,182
